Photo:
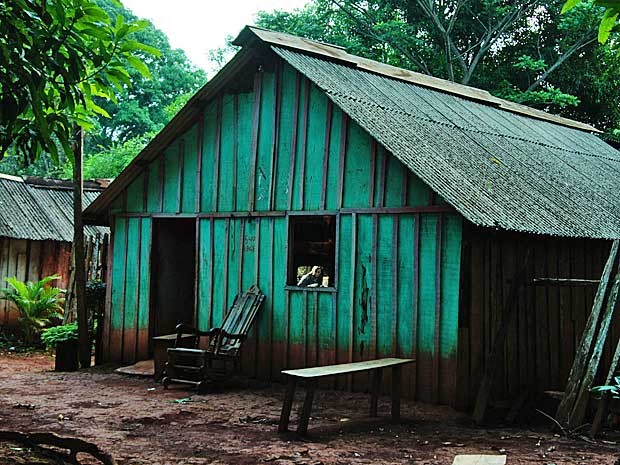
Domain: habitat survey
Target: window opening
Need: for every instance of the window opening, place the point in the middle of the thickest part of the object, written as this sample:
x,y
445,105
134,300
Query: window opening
x,y
312,251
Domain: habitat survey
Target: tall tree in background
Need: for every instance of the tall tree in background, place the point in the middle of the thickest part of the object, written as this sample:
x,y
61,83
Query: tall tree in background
x,y
135,114
524,51
58,57
141,109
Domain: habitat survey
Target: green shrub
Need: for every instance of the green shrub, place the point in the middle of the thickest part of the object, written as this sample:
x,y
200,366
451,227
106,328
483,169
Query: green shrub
x,y
38,304
53,336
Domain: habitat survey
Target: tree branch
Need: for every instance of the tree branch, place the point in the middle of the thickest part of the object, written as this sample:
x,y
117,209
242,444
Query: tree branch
x,y
583,41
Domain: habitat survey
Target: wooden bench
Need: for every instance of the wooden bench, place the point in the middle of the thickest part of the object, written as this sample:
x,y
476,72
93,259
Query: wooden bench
x,y
311,375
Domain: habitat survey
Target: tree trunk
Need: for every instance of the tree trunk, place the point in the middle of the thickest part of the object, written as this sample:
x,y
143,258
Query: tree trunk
x,y
78,251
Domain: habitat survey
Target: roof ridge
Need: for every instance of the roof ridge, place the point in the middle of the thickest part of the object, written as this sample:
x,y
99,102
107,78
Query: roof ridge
x,y
301,44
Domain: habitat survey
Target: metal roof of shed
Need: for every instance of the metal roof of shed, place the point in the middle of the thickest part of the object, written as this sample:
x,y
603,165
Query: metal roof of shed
x,y
30,210
499,164
497,168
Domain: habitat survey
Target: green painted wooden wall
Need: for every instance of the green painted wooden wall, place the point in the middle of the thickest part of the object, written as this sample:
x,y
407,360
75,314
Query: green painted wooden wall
x,y
279,150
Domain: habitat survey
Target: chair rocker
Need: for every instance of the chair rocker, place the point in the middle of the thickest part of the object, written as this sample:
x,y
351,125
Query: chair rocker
x,y
194,366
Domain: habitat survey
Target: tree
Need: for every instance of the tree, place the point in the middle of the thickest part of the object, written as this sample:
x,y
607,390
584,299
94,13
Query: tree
x,y
58,57
524,51
609,21
140,109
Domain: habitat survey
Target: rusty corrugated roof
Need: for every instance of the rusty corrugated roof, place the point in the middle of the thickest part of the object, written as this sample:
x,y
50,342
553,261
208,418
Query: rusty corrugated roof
x,y
38,212
497,168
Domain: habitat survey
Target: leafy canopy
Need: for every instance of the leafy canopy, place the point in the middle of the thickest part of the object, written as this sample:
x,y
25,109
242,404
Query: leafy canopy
x,y
58,57
525,50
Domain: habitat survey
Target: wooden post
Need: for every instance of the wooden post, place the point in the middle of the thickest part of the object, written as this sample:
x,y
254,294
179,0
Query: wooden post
x,y
302,428
376,388
396,387
579,410
288,404
574,379
78,250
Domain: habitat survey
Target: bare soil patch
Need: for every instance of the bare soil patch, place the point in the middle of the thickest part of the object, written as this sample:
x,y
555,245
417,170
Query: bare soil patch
x,y
139,423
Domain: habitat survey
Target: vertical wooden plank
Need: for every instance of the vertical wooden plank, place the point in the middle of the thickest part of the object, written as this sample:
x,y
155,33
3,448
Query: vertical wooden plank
x,y
258,81
145,188
275,134
373,299
328,132
226,265
217,155
415,299
291,179
395,307
188,170
344,130
146,240
204,277
437,347
272,292
210,272
352,281
119,289
197,280
137,290
304,143
199,143
235,149
382,179
373,169
181,155
160,187
130,314
108,294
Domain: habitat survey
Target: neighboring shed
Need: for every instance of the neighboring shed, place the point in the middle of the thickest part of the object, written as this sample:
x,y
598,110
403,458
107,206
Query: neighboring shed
x,y
416,195
36,231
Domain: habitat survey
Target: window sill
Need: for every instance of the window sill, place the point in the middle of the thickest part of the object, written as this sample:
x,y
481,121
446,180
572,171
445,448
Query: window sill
x,y
310,289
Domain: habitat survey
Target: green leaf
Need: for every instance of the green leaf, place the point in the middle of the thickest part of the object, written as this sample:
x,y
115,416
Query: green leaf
x,y
569,5
607,24
139,66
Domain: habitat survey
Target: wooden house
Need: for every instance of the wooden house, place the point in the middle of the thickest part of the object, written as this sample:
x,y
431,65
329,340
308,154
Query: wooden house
x,y
417,196
36,233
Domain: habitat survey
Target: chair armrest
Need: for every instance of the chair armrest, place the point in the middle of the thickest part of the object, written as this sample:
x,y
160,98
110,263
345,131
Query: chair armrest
x,y
183,328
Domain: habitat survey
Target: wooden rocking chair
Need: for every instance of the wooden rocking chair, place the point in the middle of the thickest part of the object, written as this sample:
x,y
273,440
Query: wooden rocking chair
x,y
196,366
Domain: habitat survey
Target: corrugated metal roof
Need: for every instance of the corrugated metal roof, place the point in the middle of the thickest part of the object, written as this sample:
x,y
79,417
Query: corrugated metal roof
x,y
36,212
497,168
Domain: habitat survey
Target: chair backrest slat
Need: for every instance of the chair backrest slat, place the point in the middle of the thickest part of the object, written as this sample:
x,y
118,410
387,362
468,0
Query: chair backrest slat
x,y
238,320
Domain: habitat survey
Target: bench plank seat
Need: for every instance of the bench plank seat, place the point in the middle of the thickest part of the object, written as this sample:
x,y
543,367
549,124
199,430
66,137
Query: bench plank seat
x,y
344,368
310,375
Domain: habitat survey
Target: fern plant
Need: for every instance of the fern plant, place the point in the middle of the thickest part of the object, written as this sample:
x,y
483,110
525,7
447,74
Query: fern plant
x,y
37,303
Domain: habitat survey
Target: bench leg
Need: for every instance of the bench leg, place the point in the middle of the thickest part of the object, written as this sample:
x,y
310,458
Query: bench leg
x,y
396,386
288,404
302,428
374,393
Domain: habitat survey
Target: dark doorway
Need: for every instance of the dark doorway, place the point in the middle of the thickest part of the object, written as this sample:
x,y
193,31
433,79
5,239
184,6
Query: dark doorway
x,y
173,263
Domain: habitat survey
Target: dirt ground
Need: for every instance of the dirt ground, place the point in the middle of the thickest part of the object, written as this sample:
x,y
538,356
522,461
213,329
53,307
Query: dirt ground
x,y
140,423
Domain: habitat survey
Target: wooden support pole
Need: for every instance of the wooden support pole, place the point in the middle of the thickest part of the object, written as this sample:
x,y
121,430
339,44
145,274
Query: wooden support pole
x,y
578,413
288,404
396,387
375,390
576,373
302,428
